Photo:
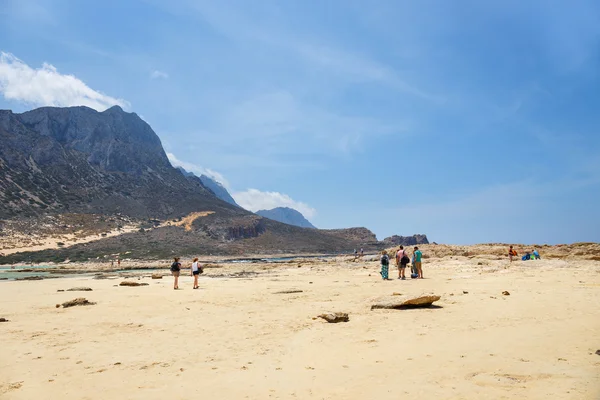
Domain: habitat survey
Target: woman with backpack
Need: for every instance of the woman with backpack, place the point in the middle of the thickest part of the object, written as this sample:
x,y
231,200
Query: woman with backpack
x,y
175,270
385,265
404,260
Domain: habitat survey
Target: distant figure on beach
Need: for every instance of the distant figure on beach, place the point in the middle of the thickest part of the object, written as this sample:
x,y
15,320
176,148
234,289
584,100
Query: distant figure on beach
x,y
175,270
402,261
511,253
418,255
362,252
355,254
196,270
385,265
536,255
118,262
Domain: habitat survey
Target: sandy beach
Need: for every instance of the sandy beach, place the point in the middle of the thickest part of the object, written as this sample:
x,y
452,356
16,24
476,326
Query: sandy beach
x,y
237,337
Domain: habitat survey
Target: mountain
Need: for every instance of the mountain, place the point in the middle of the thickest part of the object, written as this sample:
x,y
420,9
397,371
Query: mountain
x,y
413,240
98,169
287,216
217,188
79,160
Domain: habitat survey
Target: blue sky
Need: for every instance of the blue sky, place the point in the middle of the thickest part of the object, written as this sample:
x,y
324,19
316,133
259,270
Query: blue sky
x,y
468,121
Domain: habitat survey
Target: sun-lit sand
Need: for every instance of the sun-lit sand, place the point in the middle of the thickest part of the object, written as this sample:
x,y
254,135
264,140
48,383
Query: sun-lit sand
x,y
236,338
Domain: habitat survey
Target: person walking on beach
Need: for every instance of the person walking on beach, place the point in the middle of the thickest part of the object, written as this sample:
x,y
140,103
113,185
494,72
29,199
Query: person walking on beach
x,y
196,270
362,252
175,270
385,265
418,255
402,261
511,253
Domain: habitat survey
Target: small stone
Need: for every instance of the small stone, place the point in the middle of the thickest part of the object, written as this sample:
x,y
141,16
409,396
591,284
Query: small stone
x,y
333,318
58,306
598,352
60,290
465,292
80,289
157,276
117,363
289,291
506,293
129,283
3,320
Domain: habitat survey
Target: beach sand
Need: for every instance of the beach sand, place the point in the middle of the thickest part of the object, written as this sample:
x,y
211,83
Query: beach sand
x,y
236,338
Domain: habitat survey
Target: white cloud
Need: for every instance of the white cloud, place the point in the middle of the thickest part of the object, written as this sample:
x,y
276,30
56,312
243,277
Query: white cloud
x,y
254,200
197,170
156,74
45,86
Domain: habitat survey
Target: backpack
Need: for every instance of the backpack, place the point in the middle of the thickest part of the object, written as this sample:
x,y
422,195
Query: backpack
x,y
385,260
404,260
175,267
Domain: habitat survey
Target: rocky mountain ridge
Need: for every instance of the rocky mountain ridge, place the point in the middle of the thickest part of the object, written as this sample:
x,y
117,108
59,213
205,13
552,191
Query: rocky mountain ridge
x,y
92,165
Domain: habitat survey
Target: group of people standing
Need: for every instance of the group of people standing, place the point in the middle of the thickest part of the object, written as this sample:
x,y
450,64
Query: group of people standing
x,y
195,270
402,261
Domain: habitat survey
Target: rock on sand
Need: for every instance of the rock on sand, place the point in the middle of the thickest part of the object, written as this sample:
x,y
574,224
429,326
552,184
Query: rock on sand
x,y
424,300
80,301
335,317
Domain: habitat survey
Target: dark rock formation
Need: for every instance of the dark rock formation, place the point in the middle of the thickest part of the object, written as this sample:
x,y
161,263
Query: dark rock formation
x,y
405,240
287,216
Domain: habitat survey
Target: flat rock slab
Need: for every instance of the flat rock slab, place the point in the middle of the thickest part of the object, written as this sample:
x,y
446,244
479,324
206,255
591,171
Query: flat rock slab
x,y
80,289
424,300
80,301
129,283
335,317
289,291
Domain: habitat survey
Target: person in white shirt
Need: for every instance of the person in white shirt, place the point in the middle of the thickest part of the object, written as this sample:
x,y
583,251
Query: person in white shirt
x,y
196,270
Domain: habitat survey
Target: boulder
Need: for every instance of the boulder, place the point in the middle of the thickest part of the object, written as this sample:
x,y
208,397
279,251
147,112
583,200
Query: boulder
x,y
80,301
129,283
157,276
335,317
80,289
423,300
506,293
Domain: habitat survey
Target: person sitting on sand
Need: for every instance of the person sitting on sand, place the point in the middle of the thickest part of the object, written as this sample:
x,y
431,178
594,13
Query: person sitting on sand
x,y
536,255
418,255
196,270
175,270
385,265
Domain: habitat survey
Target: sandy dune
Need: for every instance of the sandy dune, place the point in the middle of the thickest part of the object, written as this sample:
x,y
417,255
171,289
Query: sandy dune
x,y
235,338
